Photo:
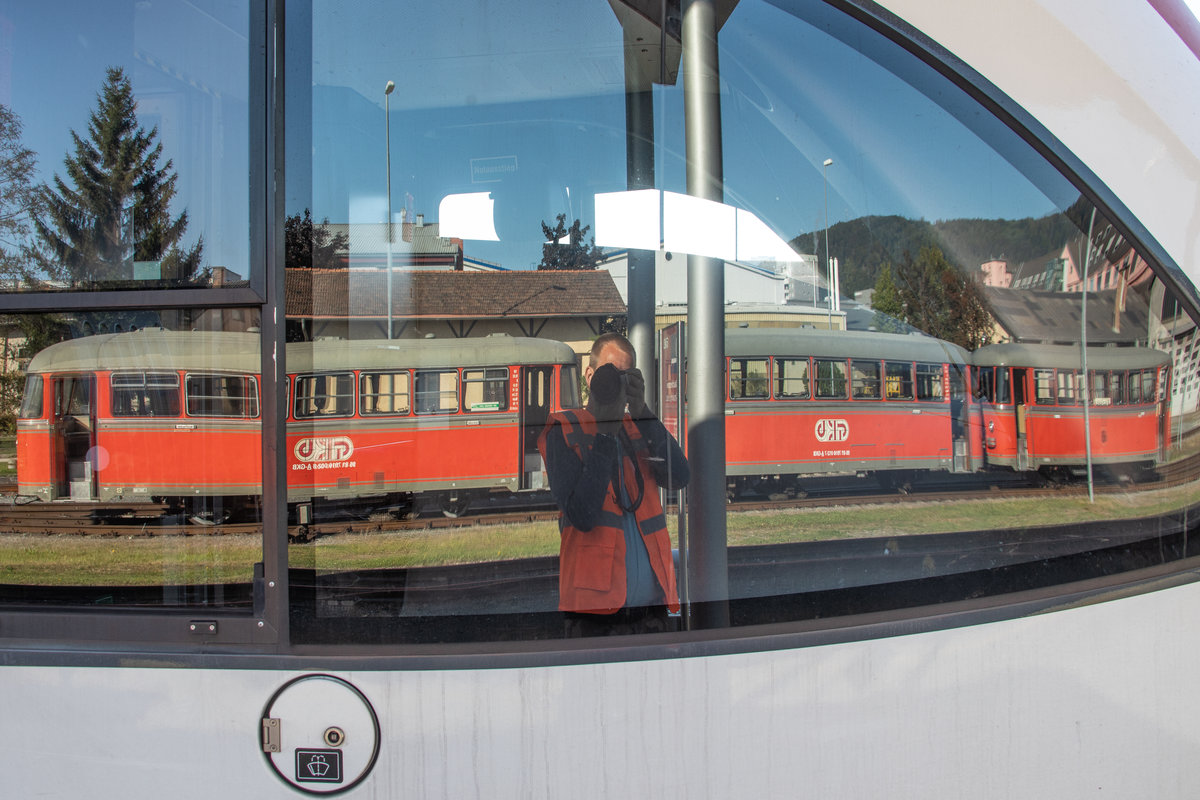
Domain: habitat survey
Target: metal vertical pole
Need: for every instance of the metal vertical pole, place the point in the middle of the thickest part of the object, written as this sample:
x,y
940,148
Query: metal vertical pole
x,y
639,167
387,127
706,326
1087,384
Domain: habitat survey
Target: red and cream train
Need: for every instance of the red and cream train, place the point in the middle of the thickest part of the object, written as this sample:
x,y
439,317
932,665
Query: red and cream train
x,y
175,416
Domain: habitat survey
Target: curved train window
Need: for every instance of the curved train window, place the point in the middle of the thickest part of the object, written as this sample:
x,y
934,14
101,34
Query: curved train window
x,y
864,380
791,379
748,379
145,394
831,379
32,402
221,396
384,393
537,159
929,382
485,389
437,391
329,395
898,380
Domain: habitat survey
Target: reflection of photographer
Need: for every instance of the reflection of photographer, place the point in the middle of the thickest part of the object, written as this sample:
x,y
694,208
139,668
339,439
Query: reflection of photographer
x,y
606,464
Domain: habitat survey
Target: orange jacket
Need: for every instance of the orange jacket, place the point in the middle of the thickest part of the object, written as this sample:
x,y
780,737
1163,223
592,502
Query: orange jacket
x,y
592,563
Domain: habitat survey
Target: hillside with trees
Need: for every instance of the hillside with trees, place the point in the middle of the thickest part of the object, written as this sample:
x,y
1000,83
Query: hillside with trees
x,y
865,245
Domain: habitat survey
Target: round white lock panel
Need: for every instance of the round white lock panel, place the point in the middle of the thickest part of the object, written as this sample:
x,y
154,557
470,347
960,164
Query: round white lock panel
x,y
320,734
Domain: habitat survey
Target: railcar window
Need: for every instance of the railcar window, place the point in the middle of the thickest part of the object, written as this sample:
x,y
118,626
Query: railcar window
x,y
486,389
174,79
145,394
1066,388
748,378
985,383
324,395
384,393
525,208
173,503
929,383
568,387
32,403
831,379
1003,386
437,391
1149,394
1043,387
1100,389
791,379
899,380
1117,388
864,380
221,396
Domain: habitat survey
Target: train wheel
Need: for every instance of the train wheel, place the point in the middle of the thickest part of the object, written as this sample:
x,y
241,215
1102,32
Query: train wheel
x,y
455,505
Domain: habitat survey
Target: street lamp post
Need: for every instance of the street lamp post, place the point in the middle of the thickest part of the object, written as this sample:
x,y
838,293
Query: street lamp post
x,y
828,260
387,127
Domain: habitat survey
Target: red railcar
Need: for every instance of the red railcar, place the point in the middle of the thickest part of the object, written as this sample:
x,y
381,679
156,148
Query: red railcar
x,y
175,415
1033,405
804,402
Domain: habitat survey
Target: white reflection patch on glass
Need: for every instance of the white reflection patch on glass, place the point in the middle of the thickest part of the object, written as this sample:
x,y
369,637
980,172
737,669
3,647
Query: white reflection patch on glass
x,y
468,216
628,219
698,226
757,242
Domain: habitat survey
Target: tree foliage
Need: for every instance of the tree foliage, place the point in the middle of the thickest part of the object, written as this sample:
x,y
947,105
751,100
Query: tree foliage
x,y
307,244
113,208
864,245
21,200
939,300
889,308
575,253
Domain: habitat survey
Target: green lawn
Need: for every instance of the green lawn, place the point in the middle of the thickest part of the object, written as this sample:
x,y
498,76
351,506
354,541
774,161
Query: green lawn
x,y
89,560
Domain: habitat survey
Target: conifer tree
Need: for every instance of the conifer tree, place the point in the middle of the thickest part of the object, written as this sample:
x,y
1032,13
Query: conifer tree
x,y
114,206
574,253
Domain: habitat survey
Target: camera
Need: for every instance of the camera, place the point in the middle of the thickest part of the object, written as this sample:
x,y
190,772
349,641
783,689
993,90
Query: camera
x,y
608,385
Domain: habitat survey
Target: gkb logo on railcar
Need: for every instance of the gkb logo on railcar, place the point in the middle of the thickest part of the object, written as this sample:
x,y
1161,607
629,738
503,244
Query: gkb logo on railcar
x,y
832,430
323,449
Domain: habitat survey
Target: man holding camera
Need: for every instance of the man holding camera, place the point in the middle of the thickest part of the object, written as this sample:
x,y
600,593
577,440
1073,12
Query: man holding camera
x,y
605,464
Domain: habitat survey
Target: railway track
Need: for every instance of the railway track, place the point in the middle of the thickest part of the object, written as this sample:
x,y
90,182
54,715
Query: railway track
x,y
156,519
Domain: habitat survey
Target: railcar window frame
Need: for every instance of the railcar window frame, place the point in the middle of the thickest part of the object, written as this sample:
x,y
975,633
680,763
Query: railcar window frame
x,y
343,402
33,395
741,375
167,386
898,374
493,382
930,379
782,380
248,397
1044,385
827,387
447,401
863,384
364,395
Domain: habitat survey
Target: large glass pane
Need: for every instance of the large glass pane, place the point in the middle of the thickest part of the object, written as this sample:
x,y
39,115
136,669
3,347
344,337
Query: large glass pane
x,y
124,129
473,200
131,468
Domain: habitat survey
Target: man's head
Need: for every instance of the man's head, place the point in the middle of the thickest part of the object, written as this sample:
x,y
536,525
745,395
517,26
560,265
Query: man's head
x,y
610,348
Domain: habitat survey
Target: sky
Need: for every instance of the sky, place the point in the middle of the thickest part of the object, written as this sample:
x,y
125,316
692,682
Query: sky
x,y
478,85
523,100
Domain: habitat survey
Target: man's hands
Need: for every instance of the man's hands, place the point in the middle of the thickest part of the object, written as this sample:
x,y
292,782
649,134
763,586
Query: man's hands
x,y
635,394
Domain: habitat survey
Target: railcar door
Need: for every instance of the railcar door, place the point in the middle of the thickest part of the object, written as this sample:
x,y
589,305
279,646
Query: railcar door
x,y
959,421
535,410
1021,393
74,433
